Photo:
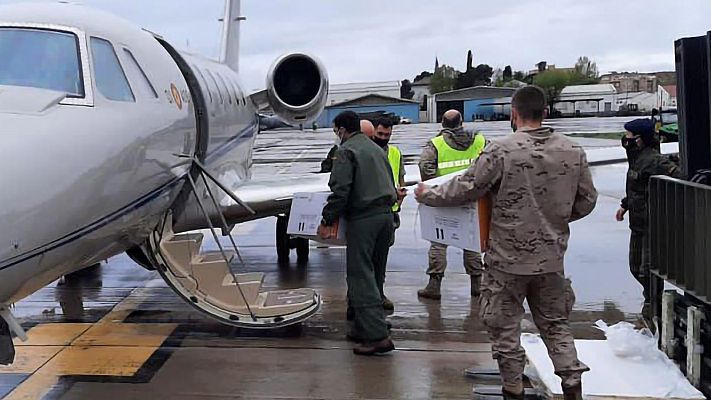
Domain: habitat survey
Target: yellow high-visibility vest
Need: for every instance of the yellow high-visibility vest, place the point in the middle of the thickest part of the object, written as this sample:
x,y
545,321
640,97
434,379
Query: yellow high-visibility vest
x,y
394,157
450,160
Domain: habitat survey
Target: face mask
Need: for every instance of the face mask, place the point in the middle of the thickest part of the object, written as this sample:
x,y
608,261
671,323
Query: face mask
x,y
337,141
513,126
381,142
629,143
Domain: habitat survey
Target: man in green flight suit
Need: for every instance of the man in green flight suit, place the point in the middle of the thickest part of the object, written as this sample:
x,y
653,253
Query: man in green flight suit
x,y
363,193
644,161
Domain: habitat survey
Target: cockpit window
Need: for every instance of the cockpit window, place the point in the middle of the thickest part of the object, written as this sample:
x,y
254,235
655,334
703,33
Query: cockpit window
x,y
110,78
42,59
140,80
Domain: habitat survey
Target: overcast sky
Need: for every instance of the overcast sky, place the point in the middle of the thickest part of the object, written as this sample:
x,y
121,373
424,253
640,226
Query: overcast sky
x,y
370,40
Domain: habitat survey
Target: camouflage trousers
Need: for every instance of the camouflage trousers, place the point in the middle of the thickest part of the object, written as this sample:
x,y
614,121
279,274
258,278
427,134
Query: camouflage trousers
x,y
438,260
551,300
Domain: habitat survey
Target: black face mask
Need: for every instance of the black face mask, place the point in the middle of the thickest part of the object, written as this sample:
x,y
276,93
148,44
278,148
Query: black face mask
x,y
381,142
629,143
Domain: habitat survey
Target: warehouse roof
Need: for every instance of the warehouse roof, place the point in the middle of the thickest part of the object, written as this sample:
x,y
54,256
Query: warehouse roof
x,y
476,92
372,100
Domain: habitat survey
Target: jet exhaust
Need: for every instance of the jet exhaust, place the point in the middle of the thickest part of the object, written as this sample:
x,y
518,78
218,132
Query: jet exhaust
x,y
297,88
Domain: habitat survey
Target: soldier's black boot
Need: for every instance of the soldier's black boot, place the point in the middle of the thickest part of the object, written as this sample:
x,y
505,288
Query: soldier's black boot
x,y
476,285
7,349
432,290
573,392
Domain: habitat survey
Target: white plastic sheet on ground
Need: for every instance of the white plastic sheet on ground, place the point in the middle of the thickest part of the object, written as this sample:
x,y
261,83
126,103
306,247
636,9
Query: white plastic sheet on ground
x,y
642,372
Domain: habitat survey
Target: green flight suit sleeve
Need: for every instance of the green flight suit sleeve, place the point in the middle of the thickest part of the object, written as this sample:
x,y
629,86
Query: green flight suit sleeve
x,y
340,183
327,163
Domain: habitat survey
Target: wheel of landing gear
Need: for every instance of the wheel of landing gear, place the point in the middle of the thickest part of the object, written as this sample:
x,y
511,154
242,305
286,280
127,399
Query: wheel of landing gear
x,y
302,249
282,239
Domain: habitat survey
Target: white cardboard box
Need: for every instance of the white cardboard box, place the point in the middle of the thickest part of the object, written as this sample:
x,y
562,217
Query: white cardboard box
x,y
453,226
305,218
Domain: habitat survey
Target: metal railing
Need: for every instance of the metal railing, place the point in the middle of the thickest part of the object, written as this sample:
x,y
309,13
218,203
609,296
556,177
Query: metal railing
x,y
680,234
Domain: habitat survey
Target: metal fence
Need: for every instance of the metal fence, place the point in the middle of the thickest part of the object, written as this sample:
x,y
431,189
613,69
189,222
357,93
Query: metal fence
x,y
680,234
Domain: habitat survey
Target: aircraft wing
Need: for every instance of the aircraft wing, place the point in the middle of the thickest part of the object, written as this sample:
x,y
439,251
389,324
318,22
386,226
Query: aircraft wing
x,y
598,156
272,196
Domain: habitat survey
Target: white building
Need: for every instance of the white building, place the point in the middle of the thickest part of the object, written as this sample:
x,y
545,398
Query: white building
x,y
339,93
587,100
637,102
421,89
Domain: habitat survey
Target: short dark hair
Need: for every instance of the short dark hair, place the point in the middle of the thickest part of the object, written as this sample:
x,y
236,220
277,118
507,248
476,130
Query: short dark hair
x,y
530,103
348,120
384,122
452,123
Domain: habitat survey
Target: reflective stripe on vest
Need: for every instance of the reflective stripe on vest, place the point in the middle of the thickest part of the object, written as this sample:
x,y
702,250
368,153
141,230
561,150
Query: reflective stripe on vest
x,y
450,160
394,157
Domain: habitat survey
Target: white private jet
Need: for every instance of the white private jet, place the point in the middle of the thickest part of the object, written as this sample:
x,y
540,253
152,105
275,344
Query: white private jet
x,y
113,141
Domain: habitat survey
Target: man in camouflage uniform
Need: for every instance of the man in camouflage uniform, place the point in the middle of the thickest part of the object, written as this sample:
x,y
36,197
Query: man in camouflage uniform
x,y
644,161
466,145
539,182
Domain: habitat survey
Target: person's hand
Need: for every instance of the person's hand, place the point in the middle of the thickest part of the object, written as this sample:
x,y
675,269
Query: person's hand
x,y
420,191
325,232
401,194
620,215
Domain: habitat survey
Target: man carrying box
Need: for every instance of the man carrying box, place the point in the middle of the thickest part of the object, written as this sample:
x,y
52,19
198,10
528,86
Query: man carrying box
x,y
454,149
539,182
363,194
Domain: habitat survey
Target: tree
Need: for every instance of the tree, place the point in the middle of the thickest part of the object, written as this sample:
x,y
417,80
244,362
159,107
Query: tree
x,y
552,82
508,75
519,76
422,75
406,91
586,68
479,76
443,80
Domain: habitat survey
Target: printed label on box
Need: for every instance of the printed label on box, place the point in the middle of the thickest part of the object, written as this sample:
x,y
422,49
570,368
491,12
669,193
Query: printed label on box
x,y
453,226
305,217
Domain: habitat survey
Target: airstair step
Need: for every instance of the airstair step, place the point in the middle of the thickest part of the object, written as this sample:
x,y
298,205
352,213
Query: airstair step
x,y
282,302
246,278
187,237
180,251
209,257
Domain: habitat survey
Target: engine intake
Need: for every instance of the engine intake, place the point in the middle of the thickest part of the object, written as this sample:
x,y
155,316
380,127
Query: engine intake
x,y
297,88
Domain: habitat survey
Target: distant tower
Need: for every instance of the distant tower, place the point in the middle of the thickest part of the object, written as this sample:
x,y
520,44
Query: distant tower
x,y
436,65
470,61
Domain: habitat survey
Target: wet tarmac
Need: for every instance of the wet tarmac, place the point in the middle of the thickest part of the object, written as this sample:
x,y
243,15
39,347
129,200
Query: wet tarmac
x,y
118,331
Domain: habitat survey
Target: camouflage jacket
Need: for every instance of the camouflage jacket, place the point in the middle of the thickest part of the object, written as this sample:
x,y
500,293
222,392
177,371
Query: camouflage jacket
x,y
539,182
644,164
361,181
458,139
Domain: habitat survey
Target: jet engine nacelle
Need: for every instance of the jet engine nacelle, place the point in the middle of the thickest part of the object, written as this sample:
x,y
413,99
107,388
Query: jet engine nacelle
x,y
297,88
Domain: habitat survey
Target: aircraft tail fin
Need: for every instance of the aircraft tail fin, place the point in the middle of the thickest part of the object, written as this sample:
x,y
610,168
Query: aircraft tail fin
x,y
229,53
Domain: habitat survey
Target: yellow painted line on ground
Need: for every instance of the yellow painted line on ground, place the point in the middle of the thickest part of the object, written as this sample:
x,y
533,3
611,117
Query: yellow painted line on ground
x,y
29,359
59,334
107,348
135,335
